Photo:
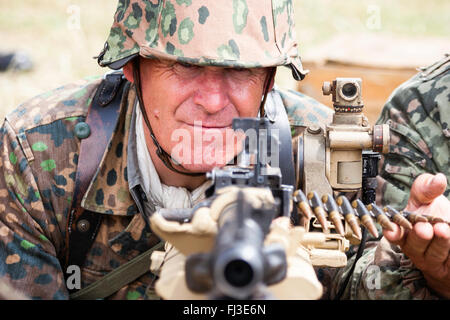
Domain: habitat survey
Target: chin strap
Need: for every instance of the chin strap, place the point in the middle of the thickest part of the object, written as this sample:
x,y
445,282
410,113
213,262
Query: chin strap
x,y
268,81
161,153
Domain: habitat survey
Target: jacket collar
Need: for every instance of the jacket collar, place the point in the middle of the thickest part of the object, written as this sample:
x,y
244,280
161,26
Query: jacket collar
x,y
108,192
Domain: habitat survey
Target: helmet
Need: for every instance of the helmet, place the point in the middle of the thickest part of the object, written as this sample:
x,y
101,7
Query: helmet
x,y
224,33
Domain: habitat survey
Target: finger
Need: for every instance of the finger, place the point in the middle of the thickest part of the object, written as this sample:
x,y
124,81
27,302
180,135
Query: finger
x,y
396,236
426,188
418,240
424,230
437,251
442,230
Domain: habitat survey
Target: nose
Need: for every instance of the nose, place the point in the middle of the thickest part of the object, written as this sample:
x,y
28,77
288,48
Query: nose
x,y
211,93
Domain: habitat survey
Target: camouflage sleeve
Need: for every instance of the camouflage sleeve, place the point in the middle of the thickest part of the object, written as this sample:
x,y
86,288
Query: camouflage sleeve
x,y
417,113
27,255
382,273
419,118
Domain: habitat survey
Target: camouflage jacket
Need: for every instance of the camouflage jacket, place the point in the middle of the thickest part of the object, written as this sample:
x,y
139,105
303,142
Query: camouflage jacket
x,y
418,114
38,161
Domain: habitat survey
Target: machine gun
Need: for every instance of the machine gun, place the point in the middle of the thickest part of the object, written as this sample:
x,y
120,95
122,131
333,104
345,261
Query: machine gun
x,y
233,245
238,252
240,265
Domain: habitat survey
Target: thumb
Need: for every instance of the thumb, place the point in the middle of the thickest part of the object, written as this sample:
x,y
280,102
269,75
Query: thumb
x,y
426,188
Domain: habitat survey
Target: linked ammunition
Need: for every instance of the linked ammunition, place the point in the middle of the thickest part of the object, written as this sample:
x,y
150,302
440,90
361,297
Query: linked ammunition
x,y
398,218
302,204
356,214
364,216
431,219
318,210
333,213
380,216
349,215
436,220
414,217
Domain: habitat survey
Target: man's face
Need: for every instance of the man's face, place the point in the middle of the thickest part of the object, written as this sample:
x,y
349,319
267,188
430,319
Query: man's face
x,y
191,108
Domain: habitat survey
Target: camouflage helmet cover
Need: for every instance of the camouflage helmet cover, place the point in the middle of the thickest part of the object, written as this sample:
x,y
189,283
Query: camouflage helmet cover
x,y
225,33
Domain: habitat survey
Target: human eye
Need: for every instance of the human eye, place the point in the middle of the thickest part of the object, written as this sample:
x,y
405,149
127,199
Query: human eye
x,y
185,69
186,65
239,73
239,70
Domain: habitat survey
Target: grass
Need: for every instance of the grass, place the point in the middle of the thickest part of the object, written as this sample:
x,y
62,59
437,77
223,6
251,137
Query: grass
x,y
61,49
62,52
319,20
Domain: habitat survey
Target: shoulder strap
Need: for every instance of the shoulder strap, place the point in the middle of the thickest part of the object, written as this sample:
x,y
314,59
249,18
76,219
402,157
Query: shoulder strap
x,y
101,121
116,279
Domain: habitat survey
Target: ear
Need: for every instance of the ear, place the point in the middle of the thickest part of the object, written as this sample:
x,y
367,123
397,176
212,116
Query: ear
x,y
128,71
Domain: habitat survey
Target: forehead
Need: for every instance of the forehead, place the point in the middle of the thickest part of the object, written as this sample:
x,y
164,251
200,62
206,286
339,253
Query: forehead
x,y
166,63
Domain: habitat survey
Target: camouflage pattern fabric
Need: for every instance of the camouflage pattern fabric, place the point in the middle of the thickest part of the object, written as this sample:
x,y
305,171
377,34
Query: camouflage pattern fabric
x,y
247,33
39,151
382,273
418,114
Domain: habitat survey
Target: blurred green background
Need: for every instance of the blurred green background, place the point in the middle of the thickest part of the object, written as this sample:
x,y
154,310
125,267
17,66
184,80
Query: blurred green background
x,y
62,36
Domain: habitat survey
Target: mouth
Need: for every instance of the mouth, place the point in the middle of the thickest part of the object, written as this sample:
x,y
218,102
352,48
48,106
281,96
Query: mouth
x,y
209,126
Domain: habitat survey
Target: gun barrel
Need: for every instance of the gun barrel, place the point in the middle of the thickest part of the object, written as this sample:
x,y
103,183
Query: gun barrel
x,y
238,270
240,265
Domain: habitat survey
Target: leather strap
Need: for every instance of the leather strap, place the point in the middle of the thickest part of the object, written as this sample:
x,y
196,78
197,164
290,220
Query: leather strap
x,y
102,119
117,278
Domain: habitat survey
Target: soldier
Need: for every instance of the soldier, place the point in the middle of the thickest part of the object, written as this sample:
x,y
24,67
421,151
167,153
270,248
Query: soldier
x,y
417,113
83,165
